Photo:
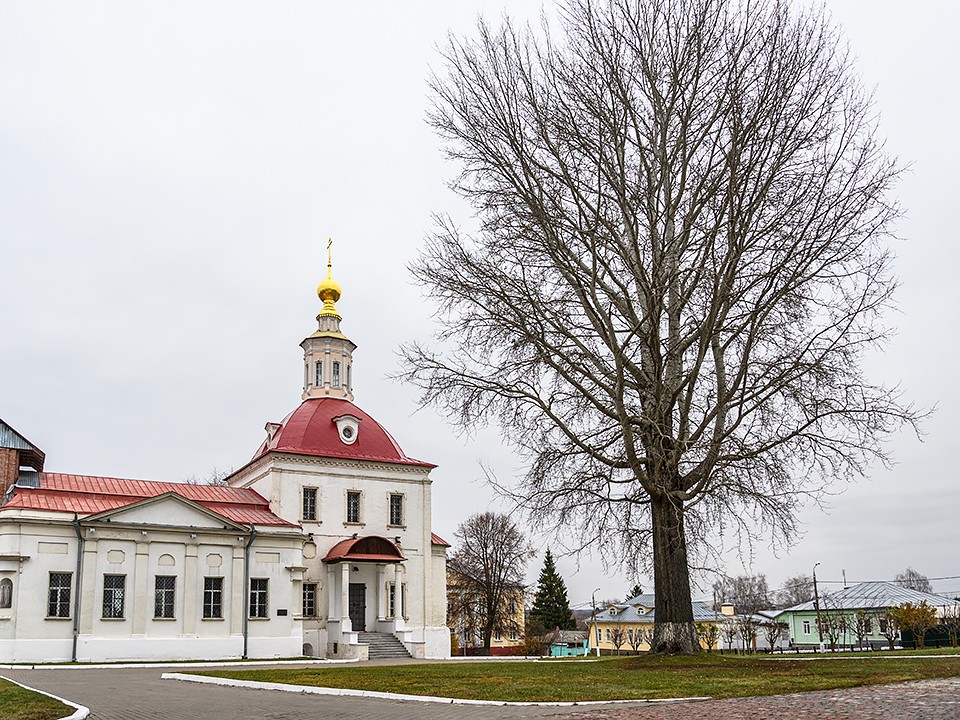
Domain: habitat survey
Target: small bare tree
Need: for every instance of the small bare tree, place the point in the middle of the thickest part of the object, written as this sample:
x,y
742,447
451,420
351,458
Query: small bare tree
x,y
708,634
485,575
747,628
772,632
618,636
728,631
888,621
950,619
861,626
680,263
635,639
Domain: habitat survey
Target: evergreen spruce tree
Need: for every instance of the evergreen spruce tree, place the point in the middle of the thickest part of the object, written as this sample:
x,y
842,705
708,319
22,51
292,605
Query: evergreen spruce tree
x,y
550,607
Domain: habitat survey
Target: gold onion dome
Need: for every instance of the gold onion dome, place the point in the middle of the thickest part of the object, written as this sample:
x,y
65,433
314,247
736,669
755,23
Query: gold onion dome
x,y
329,289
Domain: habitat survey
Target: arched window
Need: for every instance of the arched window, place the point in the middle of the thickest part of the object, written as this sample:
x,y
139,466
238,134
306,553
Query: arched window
x,y
6,593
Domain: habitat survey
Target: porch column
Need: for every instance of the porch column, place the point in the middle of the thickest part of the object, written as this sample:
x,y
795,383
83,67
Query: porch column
x,y
381,592
331,594
345,597
398,595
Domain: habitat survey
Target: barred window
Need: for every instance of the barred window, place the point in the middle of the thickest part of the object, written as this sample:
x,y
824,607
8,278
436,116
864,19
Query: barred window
x,y
396,509
309,599
258,597
309,503
213,597
391,599
114,587
164,594
353,506
58,595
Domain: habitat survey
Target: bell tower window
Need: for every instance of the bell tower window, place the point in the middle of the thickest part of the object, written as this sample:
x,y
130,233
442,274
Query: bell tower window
x,y
336,374
318,374
349,384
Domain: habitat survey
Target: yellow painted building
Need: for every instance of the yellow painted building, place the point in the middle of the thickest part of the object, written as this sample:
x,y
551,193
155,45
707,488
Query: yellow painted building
x,y
628,626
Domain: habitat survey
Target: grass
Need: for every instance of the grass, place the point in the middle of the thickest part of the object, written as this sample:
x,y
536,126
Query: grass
x,y
17,703
613,678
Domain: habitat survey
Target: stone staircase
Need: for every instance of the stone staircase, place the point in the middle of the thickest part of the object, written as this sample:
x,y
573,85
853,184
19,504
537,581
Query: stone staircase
x,y
383,645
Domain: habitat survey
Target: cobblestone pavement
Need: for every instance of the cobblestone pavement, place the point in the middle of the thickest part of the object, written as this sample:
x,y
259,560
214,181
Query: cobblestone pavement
x,y
926,699
140,694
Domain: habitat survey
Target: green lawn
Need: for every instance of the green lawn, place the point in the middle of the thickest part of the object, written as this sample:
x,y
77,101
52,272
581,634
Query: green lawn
x,y
613,678
19,704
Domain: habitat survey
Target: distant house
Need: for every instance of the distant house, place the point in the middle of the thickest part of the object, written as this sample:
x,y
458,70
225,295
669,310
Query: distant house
x,y
466,617
628,626
840,612
567,643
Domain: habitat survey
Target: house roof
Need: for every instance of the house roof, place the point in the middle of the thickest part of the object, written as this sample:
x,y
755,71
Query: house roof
x,y
437,540
371,548
643,612
310,430
868,595
30,454
89,495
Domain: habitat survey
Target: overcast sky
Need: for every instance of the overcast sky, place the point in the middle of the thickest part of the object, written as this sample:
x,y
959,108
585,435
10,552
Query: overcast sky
x,y
169,174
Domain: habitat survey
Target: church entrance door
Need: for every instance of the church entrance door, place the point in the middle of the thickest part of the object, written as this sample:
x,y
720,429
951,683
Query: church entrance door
x,y
358,606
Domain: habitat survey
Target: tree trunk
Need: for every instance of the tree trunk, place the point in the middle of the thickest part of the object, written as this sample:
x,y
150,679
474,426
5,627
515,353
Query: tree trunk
x,y
673,630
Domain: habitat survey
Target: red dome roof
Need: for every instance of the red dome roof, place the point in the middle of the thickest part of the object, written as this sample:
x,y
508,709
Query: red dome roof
x,y
311,430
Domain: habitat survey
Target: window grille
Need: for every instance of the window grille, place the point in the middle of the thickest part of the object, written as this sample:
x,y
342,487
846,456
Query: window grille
x,y
309,503
309,599
213,597
113,592
353,506
396,509
58,595
164,595
258,597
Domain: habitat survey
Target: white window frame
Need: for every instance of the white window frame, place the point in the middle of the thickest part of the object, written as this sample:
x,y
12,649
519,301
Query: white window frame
x,y
212,598
308,590
403,504
115,592
318,373
359,517
259,599
335,374
304,493
63,598
806,627
160,603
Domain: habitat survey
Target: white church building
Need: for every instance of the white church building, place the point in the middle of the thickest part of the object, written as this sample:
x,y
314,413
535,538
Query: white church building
x,y
321,545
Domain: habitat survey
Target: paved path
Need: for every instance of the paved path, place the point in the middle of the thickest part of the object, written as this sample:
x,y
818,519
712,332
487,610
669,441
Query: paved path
x,y
140,694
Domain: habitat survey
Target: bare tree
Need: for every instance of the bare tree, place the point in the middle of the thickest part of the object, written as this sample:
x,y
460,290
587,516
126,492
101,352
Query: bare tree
x,y
214,477
795,590
862,625
728,631
747,628
747,593
618,636
635,639
950,619
888,620
912,579
772,631
708,634
485,576
681,260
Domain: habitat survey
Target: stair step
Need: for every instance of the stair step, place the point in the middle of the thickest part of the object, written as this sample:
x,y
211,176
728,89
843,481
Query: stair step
x,y
383,645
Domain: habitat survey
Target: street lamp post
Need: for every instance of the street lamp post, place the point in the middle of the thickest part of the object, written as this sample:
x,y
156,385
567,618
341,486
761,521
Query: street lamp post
x,y
593,619
816,604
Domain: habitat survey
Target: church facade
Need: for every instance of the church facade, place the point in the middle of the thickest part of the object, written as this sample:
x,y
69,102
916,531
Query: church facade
x,y
320,545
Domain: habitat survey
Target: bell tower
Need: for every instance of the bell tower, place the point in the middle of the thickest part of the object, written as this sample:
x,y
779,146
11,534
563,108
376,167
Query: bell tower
x,y
328,353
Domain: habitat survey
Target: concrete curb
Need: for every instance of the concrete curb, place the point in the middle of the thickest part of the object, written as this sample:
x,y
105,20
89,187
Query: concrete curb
x,y
80,712
345,692
141,666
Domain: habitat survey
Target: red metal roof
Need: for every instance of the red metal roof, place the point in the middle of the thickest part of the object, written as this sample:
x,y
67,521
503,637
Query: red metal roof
x,y
437,540
310,430
371,548
89,495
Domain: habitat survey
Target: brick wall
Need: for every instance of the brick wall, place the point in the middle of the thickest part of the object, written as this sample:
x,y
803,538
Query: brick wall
x,y
9,467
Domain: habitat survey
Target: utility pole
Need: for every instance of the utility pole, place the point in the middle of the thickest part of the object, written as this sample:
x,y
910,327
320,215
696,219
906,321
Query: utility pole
x,y
816,604
593,619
